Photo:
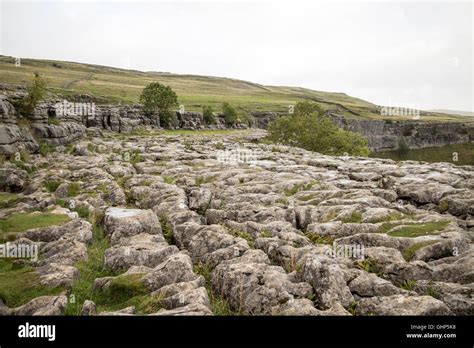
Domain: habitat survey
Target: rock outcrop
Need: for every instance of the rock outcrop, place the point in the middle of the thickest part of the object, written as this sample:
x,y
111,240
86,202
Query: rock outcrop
x,y
386,135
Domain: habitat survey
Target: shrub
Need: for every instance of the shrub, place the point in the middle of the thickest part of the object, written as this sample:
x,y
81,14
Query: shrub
x,y
36,92
230,115
309,128
168,118
208,114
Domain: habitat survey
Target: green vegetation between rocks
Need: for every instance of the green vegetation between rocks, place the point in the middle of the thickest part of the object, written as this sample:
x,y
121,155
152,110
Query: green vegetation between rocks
x,y
355,218
8,200
73,189
46,149
318,239
408,284
88,271
243,235
219,306
123,291
369,266
51,185
167,230
299,187
413,229
19,222
411,250
200,180
20,284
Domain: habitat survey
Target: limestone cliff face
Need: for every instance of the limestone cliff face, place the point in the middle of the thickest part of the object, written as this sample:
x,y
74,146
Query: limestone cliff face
x,y
386,135
54,122
47,124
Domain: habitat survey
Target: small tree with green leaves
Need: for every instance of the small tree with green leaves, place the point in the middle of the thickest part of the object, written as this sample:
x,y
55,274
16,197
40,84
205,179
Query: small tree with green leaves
x,y
230,115
309,128
208,114
36,92
160,98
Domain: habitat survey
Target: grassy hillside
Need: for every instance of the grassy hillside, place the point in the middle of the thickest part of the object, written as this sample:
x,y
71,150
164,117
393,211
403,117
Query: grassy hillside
x,y
120,85
455,112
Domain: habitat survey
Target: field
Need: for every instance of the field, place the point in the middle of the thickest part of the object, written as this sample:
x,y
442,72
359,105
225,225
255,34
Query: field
x,y
113,85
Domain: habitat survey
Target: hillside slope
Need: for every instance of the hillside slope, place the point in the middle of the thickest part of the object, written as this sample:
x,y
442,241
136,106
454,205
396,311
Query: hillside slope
x,y
109,84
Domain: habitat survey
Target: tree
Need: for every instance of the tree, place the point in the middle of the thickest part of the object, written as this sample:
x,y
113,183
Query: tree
x,y
159,98
208,114
309,128
36,92
230,115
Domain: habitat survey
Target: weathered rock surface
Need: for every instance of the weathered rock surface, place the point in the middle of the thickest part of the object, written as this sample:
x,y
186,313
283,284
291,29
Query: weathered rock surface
x,y
289,233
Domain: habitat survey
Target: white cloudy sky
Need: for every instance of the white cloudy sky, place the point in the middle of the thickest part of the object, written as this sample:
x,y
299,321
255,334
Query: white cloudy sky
x,y
390,53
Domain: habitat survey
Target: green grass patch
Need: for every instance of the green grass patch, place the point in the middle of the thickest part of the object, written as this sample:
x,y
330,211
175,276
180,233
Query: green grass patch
x,y
46,149
200,180
73,189
411,250
51,185
19,222
122,292
168,179
19,284
415,229
356,218
89,270
391,217
8,200
408,284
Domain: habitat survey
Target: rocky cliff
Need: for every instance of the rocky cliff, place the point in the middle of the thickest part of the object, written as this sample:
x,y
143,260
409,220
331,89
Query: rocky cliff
x,y
384,135
47,125
57,122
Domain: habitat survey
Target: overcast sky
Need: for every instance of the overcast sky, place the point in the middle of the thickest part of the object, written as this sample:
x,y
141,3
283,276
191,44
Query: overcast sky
x,y
390,53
